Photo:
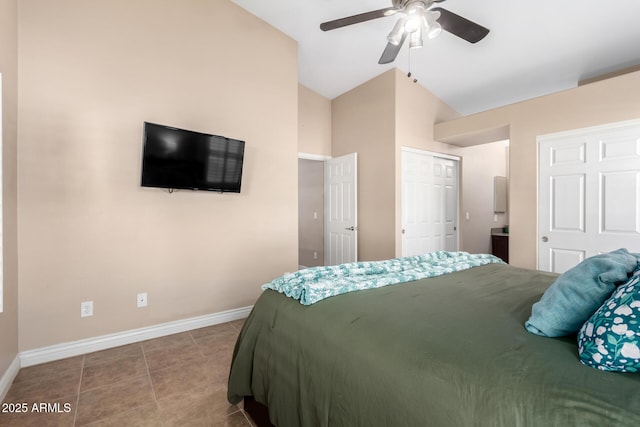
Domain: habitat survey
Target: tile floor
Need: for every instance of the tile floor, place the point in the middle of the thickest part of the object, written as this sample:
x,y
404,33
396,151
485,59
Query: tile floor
x,y
177,380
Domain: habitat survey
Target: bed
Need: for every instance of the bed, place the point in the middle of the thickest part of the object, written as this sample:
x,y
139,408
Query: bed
x,y
449,350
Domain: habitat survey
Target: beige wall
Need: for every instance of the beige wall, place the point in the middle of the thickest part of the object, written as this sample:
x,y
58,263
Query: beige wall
x,y
363,122
314,122
417,110
90,74
9,70
598,103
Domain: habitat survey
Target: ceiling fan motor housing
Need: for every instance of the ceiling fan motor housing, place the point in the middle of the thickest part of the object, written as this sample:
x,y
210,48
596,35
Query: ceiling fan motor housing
x,y
401,4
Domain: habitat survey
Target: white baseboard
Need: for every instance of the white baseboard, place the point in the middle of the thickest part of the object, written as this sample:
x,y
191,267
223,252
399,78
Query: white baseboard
x,y
8,377
76,348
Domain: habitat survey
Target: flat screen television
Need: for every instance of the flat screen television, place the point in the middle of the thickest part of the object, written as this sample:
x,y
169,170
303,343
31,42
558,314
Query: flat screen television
x,y
175,158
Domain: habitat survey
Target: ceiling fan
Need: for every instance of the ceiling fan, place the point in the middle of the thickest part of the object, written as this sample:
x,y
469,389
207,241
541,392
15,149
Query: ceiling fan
x,y
417,18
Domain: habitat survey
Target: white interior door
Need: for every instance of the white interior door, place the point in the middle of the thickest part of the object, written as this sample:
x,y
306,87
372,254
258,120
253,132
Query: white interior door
x,y
341,210
589,194
429,203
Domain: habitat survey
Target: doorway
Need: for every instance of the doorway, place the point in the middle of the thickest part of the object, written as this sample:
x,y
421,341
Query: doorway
x,y
310,212
327,210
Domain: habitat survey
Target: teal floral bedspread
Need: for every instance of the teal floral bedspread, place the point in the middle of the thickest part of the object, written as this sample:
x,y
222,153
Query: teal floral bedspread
x,y
317,283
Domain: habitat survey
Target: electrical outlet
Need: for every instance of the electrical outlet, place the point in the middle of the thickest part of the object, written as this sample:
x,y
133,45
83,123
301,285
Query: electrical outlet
x,y
315,255
142,299
86,309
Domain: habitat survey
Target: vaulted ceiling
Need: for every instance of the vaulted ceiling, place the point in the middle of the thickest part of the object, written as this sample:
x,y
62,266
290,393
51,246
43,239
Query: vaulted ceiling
x,y
533,48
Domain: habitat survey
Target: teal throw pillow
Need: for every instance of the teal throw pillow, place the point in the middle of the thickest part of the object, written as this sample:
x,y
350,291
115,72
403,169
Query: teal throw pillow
x,y
577,293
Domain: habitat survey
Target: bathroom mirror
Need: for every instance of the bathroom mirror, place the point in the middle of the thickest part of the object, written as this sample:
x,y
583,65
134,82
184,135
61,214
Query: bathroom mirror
x,y
499,194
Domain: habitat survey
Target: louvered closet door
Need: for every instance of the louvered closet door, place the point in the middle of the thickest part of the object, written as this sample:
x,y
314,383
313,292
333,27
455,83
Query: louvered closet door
x,y
589,194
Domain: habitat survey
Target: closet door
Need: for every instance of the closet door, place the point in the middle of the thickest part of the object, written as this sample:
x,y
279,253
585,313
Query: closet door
x,y
429,202
588,193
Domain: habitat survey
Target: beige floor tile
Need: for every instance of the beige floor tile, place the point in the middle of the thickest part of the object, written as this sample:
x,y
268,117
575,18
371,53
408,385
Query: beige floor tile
x,y
238,324
51,368
100,403
219,371
177,380
221,329
143,416
216,346
185,378
113,371
170,341
171,357
237,420
112,354
46,389
198,407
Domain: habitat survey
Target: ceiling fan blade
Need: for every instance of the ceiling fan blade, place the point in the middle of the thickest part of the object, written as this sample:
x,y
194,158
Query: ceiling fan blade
x,y
461,27
355,19
391,51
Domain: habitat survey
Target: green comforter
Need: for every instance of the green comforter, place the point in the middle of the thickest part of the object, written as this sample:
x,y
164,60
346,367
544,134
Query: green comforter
x,y
445,351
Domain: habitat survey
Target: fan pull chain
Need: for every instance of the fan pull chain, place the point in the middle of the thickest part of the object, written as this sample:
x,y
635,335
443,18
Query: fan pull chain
x,y
409,73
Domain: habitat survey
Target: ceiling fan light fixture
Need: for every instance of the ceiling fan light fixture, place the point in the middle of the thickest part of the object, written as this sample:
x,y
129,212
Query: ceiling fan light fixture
x,y
434,31
415,41
413,23
395,36
432,26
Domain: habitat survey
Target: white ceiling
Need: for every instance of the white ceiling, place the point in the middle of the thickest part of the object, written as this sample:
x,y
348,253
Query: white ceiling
x,y
534,47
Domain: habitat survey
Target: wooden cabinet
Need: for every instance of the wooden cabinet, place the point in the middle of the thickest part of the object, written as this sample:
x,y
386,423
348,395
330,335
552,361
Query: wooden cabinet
x,y
500,245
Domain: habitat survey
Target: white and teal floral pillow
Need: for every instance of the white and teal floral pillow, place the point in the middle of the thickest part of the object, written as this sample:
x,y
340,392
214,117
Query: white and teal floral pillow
x,y
610,339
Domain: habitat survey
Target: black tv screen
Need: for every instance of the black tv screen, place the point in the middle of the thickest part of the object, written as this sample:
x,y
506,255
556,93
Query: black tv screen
x,y
182,159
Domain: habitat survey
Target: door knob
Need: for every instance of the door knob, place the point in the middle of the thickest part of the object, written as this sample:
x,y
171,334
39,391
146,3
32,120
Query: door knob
x,y
352,228
545,239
